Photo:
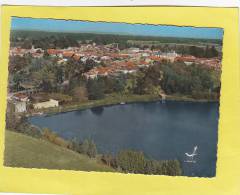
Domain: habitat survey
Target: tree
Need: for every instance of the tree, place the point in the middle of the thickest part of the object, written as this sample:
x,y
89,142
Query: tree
x,y
95,88
211,52
87,147
27,44
12,120
140,83
109,160
148,80
46,78
92,149
131,161
83,148
116,85
214,51
17,79
80,94
73,71
119,84
17,63
196,51
89,64
59,74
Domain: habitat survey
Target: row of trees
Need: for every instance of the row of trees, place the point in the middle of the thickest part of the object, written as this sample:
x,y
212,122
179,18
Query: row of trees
x,y
201,52
20,36
189,80
86,147
131,161
208,52
178,78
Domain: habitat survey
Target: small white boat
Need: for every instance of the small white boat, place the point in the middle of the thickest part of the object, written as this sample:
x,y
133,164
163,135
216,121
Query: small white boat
x,y
122,103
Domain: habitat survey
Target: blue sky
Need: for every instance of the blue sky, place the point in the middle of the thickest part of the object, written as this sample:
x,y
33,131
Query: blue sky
x,y
116,28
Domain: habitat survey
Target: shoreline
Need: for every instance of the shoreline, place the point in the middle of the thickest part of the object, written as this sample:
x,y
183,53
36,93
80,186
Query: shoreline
x,y
111,100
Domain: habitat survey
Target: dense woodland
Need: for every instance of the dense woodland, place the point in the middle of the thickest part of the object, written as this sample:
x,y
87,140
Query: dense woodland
x,y
20,35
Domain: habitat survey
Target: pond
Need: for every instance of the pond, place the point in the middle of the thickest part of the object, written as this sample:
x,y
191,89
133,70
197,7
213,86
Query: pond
x,y
161,130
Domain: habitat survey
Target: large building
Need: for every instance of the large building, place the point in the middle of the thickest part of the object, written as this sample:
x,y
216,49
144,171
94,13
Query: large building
x,y
18,102
47,104
20,106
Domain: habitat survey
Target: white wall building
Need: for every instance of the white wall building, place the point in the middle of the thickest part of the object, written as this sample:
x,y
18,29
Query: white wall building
x,y
20,106
47,104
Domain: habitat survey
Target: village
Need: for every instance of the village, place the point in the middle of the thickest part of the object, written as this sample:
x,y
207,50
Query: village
x,y
113,97
109,61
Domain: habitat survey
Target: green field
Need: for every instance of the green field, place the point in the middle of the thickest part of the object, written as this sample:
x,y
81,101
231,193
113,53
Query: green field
x,y
28,152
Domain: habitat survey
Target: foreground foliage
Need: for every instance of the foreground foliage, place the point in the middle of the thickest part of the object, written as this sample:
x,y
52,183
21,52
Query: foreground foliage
x,y
130,161
25,151
127,161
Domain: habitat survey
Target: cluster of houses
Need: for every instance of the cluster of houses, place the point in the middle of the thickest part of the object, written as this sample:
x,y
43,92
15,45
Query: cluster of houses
x,y
214,63
116,61
130,62
112,61
111,55
18,51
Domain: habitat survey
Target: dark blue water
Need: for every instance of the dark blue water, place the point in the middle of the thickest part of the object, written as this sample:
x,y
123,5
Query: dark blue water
x,y
162,131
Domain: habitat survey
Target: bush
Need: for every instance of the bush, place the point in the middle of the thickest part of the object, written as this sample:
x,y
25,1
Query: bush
x,y
54,138
95,89
205,95
87,147
92,149
62,98
80,94
109,160
30,130
131,161
135,162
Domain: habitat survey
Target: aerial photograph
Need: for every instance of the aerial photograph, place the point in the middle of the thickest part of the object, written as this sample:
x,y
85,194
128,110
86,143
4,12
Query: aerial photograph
x,y
113,97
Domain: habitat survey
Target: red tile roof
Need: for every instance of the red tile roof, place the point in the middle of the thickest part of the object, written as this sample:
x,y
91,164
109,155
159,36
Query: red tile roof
x,y
52,51
68,53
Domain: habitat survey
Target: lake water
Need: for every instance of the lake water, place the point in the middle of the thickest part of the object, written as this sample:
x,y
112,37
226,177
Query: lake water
x,y
160,130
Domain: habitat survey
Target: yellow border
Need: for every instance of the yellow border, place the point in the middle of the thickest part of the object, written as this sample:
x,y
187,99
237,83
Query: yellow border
x,y
77,182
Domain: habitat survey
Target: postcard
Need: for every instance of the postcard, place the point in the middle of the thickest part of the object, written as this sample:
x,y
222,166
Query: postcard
x,y
122,97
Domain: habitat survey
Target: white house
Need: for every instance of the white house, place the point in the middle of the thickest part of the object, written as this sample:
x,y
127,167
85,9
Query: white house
x,y
169,56
47,104
20,106
133,50
19,101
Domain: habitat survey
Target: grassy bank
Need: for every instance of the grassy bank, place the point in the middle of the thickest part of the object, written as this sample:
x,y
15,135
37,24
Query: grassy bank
x,y
28,152
108,100
178,97
117,99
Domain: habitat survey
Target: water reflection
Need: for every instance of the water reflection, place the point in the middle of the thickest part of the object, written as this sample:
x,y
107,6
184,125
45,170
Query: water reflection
x,y
98,111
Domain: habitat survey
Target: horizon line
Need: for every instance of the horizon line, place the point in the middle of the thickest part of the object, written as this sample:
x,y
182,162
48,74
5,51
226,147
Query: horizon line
x,y
119,28
113,33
